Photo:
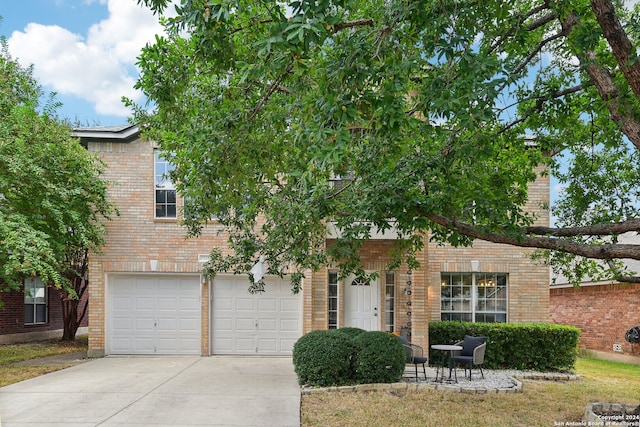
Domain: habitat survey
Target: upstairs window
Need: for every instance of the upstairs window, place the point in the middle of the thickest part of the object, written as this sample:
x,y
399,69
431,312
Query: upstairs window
x,y
165,191
35,301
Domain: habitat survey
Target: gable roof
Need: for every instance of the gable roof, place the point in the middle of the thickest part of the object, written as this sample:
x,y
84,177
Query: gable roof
x,y
122,133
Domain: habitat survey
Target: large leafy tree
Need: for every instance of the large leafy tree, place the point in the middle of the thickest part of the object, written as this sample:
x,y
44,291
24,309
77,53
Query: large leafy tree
x,y
53,203
283,117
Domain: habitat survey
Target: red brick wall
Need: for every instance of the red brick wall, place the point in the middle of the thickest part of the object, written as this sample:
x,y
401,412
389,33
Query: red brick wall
x,y
603,312
12,314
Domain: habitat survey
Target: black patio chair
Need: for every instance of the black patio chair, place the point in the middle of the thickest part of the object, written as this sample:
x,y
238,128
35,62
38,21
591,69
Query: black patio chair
x,y
415,355
472,354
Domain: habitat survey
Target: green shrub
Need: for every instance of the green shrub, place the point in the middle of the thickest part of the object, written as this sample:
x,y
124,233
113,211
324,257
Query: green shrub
x,y
537,346
323,358
380,358
350,332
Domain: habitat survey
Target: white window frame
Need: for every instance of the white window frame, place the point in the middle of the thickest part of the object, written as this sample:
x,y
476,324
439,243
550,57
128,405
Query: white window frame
x,y
333,301
36,295
163,183
390,301
465,306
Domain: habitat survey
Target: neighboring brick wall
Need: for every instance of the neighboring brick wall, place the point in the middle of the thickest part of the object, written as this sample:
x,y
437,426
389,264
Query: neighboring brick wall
x,y
604,313
12,317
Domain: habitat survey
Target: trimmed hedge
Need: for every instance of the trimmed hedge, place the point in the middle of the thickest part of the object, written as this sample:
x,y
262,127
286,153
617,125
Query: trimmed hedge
x,y
537,346
380,359
323,358
348,356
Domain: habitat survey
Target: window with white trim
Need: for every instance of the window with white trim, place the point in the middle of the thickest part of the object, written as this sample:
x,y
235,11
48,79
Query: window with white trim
x,y
474,297
165,192
35,301
332,300
390,301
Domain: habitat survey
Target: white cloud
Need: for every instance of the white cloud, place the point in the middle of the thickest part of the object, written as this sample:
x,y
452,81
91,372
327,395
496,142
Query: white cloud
x,y
98,66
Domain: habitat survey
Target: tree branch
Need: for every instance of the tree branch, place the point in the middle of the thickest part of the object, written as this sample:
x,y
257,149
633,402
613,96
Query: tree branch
x,y
609,251
272,88
540,101
606,87
591,230
357,23
619,42
535,52
534,25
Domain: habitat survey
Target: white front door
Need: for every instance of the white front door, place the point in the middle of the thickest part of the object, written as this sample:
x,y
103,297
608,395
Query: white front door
x,y
361,304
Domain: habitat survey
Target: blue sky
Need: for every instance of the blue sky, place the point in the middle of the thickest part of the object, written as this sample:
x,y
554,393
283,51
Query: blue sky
x,y
84,50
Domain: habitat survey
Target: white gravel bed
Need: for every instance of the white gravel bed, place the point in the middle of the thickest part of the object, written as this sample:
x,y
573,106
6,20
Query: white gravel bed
x,y
493,379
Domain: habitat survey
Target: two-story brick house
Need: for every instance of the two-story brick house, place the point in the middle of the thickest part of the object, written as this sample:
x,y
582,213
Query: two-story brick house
x,y
147,294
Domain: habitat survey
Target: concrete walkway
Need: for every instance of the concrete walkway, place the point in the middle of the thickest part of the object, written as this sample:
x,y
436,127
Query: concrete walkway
x,y
158,391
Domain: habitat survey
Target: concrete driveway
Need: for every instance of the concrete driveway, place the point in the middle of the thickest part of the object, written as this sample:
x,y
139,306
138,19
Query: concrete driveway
x,y
158,391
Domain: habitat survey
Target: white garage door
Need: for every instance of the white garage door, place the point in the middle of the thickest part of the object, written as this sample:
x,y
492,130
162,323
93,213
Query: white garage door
x,y
267,323
154,315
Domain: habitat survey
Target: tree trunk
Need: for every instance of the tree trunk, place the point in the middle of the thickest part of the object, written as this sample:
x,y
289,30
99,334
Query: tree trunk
x,y
72,302
70,318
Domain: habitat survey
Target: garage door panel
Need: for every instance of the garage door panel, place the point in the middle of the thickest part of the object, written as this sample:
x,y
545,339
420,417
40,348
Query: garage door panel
x,y
154,315
259,322
224,345
221,303
244,345
122,304
268,325
144,324
286,345
245,304
189,325
143,345
167,325
290,305
225,324
245,325
145,303
190,304
167,345
267,345
122,324
268,305
167,303
289,325
143,285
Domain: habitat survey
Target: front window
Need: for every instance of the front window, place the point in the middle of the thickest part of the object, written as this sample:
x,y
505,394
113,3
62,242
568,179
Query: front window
x,y
474,297
333,301
165,191
390,301
35,301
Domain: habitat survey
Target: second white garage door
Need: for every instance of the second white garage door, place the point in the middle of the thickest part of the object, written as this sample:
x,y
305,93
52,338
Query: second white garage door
x,y
157,314
267,323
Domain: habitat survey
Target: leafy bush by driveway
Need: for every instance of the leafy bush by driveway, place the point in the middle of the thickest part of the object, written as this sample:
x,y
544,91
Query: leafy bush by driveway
x,y
348,356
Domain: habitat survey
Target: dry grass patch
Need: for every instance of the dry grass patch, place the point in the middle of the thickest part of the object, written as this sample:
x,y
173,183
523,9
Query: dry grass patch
x,y
543,403
13,353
